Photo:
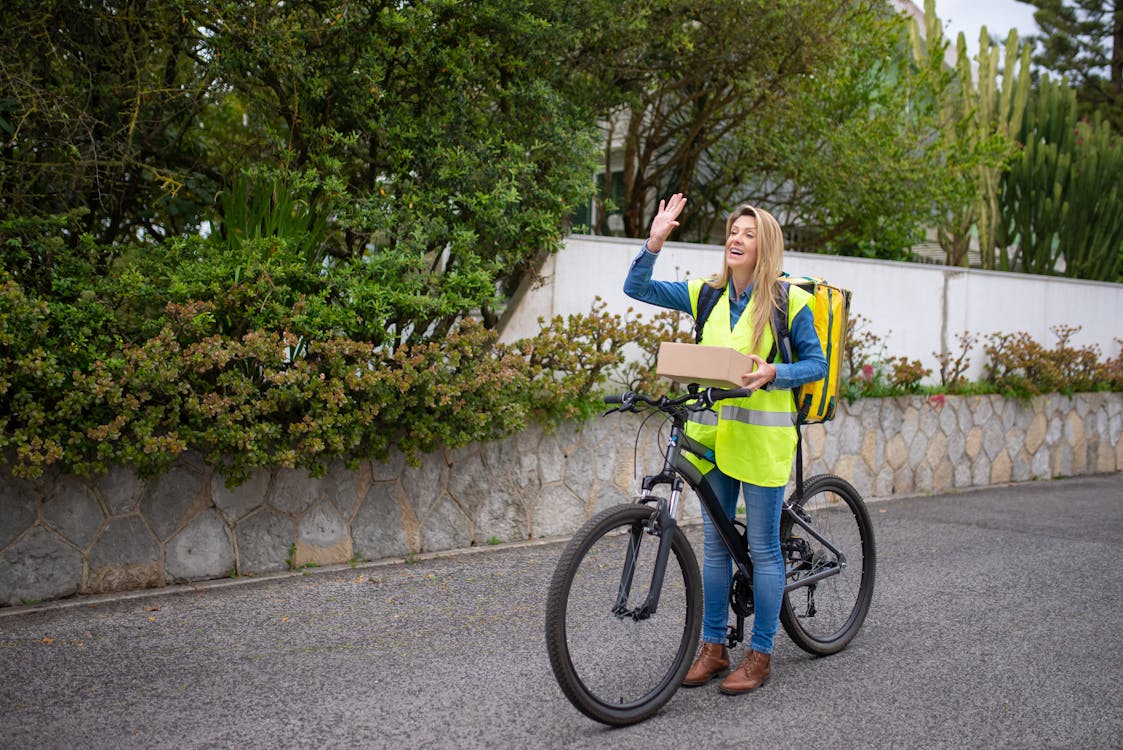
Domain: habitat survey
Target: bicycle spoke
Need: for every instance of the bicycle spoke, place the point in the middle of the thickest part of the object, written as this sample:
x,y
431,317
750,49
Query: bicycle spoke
x,y
611,664
618,658
837,555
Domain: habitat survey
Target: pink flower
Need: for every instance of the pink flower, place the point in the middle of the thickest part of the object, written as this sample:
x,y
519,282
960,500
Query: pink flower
x,y
937,400
867,373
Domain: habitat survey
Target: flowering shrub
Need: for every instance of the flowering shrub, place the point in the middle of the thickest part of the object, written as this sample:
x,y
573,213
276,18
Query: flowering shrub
x,y
954,367
246,402
905,374
1016,366
1021,367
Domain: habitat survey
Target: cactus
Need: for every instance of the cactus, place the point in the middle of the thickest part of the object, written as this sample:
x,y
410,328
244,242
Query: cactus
x,y
1033,189
1061,199
958,120
978,122
1004,107
1092,238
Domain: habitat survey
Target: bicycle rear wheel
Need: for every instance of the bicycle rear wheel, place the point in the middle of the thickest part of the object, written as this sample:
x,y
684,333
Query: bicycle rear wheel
x,y
824,616
614,667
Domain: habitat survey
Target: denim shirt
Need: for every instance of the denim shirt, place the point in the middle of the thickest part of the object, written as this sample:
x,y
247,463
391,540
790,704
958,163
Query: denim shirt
x,y
810,365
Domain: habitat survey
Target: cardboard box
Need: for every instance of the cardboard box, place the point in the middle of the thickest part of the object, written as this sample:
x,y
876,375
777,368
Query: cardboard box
x,y
717,366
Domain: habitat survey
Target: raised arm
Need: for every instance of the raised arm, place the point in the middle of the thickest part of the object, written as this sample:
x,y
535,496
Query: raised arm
x,y
639,285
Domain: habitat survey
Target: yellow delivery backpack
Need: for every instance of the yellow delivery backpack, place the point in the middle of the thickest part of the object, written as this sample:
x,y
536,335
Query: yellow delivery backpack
x,y
830,306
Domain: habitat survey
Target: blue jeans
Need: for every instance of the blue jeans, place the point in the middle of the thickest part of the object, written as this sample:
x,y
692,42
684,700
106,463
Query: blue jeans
x,y
762,509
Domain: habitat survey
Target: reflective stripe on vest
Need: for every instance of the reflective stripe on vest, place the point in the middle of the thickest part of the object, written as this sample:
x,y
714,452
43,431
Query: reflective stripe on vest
x,y
757,417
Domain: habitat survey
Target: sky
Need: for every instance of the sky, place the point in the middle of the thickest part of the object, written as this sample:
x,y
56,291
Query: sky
x,y
999,16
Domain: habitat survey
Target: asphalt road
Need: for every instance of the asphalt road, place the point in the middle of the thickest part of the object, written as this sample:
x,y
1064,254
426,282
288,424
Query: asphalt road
x,y
997,622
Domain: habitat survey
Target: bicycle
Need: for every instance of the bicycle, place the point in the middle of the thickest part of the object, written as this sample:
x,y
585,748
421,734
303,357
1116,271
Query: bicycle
x,y
620,655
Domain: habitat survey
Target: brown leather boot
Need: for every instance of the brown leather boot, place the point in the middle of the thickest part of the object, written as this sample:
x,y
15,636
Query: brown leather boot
x,y
749,676
712,660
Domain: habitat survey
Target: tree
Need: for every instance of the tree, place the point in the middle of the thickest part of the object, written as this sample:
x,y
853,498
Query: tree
x,y
446,135
866,171
1082,40
790,105
438,142
99,113
371,176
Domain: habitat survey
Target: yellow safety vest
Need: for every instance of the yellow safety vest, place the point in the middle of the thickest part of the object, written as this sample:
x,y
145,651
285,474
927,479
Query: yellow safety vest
x,y
753,438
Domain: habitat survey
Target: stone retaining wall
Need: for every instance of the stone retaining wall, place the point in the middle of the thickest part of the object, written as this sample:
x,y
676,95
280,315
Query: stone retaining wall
x,y
65,535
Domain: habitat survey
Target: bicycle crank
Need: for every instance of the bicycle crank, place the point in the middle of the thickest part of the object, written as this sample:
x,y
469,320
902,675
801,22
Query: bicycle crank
x,y
741,595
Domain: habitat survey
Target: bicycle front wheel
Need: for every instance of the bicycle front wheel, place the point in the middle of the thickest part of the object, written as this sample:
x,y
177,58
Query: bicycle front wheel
x,y
616,665
835,557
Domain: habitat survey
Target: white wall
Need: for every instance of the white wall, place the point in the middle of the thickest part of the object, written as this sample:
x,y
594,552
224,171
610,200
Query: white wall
x,y
916,309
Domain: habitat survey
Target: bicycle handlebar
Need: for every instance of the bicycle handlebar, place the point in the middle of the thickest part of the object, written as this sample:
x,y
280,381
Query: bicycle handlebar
x,y
704,398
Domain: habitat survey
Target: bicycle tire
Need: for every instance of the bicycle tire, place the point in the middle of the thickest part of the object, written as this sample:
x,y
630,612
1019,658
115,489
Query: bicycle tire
x,y
616,669
824,617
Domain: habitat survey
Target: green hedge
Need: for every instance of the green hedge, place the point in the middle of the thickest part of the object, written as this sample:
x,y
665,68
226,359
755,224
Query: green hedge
x,y
255,357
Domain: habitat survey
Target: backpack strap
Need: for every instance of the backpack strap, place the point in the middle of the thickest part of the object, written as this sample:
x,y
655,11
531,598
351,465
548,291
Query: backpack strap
x,y
798,463
782,341
782,345
707,298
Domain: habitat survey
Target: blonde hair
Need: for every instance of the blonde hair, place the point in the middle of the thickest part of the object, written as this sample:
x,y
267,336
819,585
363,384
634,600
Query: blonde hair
x,y
766,274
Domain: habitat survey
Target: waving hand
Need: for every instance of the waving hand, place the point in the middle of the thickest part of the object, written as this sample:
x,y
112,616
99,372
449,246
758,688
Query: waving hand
x,y
665,221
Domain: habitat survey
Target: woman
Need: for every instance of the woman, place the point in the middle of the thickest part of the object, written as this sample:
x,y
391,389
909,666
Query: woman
x,y
753,440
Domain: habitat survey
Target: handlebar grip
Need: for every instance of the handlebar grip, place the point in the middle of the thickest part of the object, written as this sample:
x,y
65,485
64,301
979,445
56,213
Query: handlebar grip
x,y
615,398
717,394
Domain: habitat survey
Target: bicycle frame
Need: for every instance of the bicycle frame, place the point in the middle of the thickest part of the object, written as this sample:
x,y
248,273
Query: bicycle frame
x,y
676,471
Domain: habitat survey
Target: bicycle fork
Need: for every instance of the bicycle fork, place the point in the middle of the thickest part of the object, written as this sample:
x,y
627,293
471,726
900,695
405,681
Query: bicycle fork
x,y
663,525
